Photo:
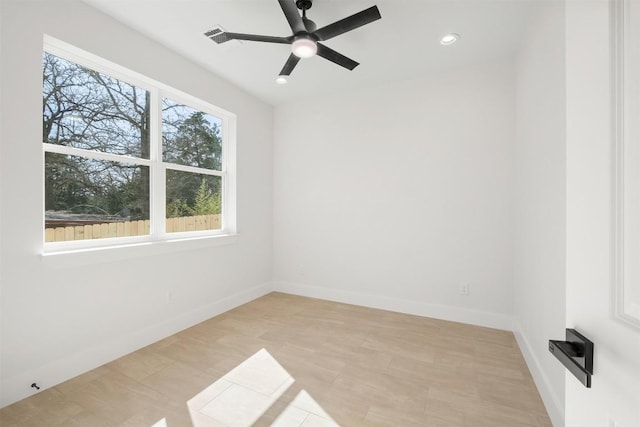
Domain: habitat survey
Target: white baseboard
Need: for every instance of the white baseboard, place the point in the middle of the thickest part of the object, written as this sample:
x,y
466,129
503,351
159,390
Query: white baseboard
x,y
552,402
18,386
455,314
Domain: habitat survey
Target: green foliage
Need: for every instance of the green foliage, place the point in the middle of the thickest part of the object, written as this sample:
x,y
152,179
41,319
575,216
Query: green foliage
x,y
177,208
189,138
204,201
207,202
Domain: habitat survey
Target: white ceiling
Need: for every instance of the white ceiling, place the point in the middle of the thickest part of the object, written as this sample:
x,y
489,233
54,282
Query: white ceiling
x,y
404,44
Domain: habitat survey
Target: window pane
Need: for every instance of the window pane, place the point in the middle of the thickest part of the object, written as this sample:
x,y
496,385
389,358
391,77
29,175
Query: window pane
x,y
193,201
93,199
86,109
190,137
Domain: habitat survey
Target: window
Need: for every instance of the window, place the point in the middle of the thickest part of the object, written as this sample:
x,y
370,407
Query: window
x,y
128,159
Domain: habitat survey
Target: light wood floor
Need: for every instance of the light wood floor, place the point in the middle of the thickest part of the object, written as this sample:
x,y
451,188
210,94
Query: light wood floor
x,y
290,361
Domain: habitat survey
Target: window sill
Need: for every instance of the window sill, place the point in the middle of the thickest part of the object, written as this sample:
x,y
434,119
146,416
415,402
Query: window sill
x,y
105,254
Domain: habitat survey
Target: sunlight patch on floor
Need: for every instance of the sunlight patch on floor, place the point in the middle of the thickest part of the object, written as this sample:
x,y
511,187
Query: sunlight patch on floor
x,y
245,393
304,411
161,423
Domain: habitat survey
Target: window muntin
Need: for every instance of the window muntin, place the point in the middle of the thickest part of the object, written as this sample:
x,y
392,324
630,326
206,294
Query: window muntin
x,y
145,157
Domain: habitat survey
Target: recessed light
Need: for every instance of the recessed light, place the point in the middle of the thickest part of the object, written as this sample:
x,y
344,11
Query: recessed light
x,y
281,80
450,38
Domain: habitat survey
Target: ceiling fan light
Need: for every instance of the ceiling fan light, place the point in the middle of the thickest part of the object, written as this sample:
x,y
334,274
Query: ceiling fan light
x,y
304,47
281,80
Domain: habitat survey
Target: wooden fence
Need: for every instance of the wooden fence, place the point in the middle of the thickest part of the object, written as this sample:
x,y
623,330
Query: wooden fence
x,y
193,223
129,228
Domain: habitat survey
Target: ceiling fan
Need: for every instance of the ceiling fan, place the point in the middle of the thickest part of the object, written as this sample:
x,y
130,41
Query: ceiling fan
x,y
306,38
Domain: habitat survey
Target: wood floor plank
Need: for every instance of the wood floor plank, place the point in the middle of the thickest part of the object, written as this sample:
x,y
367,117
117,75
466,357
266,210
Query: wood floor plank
x,y
353,366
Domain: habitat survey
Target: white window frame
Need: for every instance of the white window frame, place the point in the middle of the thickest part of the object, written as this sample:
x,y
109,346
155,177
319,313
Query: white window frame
x,y
157,168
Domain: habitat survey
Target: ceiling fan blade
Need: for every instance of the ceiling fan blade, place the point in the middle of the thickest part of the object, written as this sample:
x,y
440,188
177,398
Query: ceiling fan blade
x,y
337,58
289,65
347,24
293,17
225,37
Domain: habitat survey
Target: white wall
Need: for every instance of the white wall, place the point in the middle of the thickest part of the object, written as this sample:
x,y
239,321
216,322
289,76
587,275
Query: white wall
x,y
60,319
614,399
539,250
392,197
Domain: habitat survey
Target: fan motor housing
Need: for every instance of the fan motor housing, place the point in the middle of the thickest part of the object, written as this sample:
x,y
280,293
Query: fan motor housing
x,y
309,25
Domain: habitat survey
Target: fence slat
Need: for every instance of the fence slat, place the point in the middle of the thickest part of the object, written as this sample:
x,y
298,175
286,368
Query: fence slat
x,y
88,232
200,223
113,230
78,232
96,231
69,232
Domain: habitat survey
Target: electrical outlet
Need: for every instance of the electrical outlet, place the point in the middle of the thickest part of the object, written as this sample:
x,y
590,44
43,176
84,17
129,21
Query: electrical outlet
x,y
464,289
